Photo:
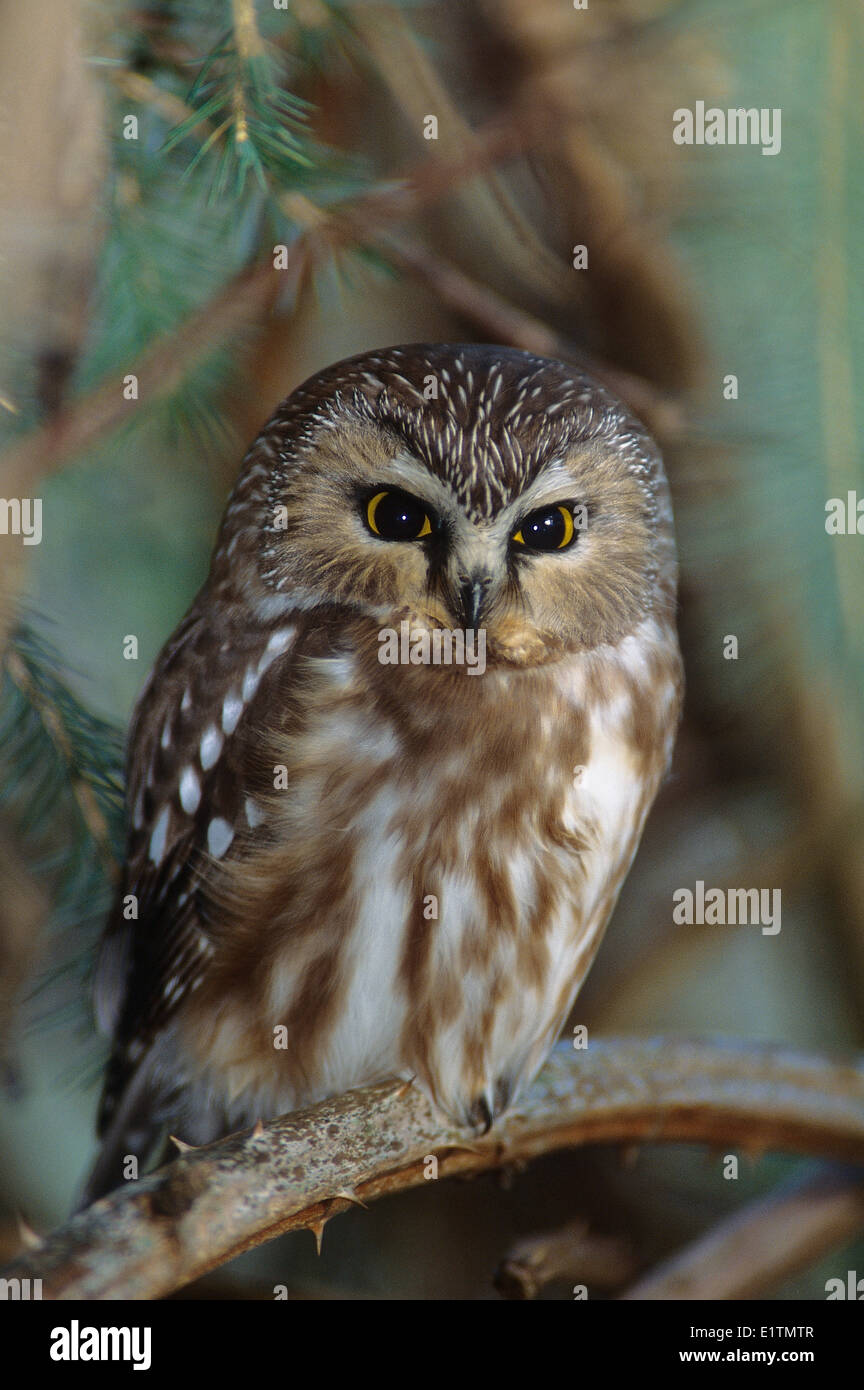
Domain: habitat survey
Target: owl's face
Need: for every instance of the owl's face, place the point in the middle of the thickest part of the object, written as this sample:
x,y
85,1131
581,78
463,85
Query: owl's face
x,y
517,497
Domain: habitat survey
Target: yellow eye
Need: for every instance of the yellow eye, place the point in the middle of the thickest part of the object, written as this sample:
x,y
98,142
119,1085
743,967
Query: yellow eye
x,y
549,528
396,516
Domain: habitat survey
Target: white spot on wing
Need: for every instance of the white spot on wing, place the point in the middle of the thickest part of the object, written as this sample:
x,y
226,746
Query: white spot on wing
x,y
173,989
277,644
280,640
219,836
232,708
250,684
254,814
160,835
190,791
211,746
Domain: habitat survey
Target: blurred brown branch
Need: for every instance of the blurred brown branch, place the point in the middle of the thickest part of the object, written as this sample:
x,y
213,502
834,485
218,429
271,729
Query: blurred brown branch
x,y
159,369
250,297
573,1253
504,322
242,304
213,1203
755,1249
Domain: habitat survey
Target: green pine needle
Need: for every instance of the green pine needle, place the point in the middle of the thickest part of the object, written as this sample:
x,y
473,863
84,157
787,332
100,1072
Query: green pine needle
x,y
61,800
259,127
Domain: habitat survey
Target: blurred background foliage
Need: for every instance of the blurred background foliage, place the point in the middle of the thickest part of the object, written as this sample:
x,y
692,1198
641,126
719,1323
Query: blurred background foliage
x,y
303,126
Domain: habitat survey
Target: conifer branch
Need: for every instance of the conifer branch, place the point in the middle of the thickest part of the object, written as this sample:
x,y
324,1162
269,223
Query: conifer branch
x,y
249,42
60,791
48,713
244,302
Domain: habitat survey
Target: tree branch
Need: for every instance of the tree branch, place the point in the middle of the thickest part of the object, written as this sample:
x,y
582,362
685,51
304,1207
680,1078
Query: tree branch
x,y
243,303
160,368
213,1203
574,1253
505,322
766,1242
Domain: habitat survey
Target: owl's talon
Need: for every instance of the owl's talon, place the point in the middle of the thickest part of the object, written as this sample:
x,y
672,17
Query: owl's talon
x,y
485,1109
481,1115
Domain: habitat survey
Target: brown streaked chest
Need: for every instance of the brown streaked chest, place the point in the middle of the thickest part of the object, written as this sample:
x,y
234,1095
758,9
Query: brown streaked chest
x,y
426,773
439,851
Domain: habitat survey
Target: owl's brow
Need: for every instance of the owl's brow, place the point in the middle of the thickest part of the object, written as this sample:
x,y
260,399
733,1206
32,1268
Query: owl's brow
x,y
555,482
516,458
405,470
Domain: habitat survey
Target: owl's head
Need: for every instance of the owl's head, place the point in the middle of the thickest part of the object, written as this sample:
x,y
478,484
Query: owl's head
x,y
474,485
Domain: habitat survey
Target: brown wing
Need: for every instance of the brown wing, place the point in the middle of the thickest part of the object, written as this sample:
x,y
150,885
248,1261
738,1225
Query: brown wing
x,y
186,788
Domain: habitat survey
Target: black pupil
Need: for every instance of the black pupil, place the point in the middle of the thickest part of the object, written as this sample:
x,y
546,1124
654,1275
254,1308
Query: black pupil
x,y
399,518
544,530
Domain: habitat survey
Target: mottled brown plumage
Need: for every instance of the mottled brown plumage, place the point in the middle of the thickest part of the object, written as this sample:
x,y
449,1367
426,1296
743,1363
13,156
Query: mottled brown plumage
x,y
340,869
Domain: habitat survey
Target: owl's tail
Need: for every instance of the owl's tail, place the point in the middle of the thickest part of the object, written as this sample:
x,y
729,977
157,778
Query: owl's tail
x,y
129,1138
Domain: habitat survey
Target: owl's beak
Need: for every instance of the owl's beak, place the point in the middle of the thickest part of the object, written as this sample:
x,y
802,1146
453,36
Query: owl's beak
x,y
473,599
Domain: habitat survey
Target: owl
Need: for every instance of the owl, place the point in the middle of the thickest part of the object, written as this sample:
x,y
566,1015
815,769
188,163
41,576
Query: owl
x,y
355,849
